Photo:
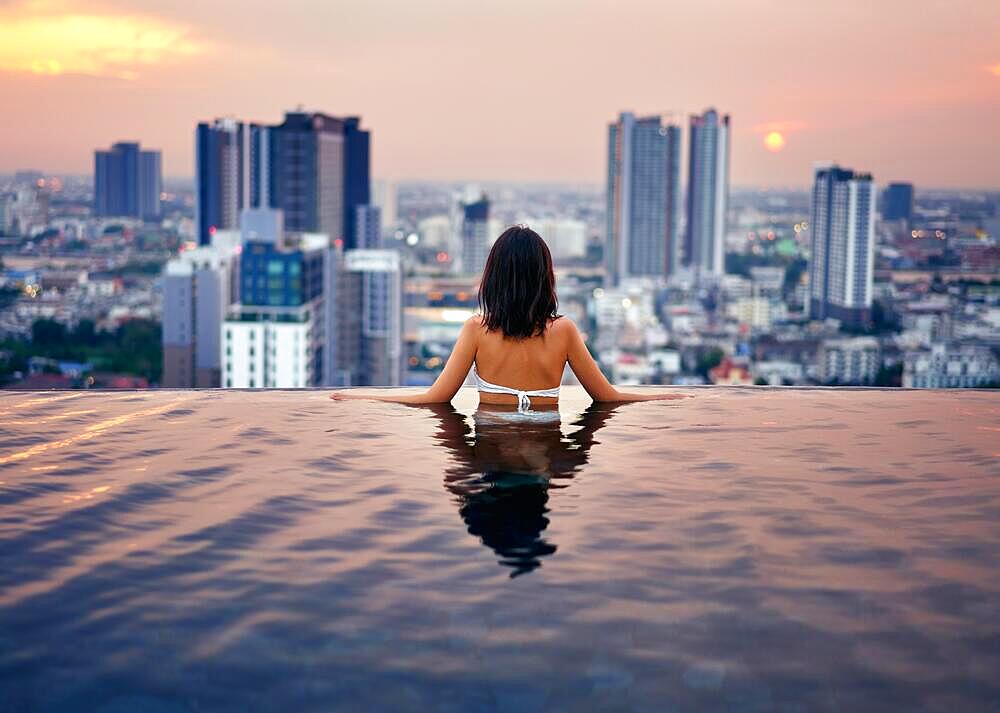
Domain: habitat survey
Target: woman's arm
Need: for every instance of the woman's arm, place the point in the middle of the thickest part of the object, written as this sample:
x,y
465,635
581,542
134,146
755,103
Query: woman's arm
x,y
591,377
450,379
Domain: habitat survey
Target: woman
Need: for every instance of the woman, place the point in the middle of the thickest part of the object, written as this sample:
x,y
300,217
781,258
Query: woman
x,y
519,345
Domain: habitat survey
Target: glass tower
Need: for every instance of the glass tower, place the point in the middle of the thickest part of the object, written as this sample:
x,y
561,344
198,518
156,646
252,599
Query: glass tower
x,y
708,193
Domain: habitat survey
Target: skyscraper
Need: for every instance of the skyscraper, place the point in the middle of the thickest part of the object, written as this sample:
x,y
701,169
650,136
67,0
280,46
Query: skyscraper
x,y
127,182
315,168
708,193
643,197
843,241
221,166
897,202
475,235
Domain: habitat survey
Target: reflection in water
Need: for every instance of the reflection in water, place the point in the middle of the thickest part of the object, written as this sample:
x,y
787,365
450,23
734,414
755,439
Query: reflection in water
x,y
503,469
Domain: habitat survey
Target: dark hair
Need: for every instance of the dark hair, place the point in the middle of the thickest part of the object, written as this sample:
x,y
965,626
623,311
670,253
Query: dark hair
x,y
517,294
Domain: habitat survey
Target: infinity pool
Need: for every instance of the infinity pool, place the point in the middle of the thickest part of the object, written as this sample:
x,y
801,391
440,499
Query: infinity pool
x,y
740,550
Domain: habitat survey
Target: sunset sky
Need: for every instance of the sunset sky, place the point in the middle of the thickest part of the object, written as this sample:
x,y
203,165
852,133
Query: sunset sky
x,y
516,89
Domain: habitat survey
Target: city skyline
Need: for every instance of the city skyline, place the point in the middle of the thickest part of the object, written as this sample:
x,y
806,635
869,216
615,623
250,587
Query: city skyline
x,y
453,97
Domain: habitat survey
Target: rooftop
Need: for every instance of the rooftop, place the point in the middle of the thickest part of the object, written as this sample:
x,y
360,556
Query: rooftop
x,y
746,548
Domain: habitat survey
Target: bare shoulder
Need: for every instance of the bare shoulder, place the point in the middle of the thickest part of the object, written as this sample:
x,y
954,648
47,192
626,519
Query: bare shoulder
x,y
563,328
474,325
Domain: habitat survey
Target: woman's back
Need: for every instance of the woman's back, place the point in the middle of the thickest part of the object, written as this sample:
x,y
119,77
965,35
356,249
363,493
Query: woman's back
x,y
525,364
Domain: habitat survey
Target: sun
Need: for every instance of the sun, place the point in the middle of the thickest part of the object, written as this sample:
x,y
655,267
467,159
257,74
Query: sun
x,y
774,141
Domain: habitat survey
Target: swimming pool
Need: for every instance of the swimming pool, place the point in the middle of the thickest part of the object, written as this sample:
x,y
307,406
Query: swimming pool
x,y
744,549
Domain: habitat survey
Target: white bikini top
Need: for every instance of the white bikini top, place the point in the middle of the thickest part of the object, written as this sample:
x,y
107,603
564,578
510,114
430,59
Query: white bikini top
x,y
523,402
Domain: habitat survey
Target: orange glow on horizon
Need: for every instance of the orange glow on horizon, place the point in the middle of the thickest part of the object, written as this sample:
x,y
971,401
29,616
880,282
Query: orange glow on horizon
x,y
89,44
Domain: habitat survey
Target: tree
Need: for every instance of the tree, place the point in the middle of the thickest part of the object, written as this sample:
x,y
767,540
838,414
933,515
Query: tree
x,y
85,333
708,361
889,376
48,333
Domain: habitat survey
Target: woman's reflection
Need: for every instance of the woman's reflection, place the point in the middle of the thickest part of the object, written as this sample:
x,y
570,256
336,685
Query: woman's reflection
x,y
504,467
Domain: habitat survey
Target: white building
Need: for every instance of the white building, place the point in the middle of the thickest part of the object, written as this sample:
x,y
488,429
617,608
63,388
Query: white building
x,y
754,312
436,231
269,354
566,238
776,373
198,288
950,366
384,197
843,239
849,361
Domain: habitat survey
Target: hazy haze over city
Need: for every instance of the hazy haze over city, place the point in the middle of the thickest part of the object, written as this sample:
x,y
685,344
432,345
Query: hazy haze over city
x,y
515,90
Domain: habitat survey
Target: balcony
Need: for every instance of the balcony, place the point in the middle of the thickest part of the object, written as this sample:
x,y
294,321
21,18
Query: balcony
x,y
743,549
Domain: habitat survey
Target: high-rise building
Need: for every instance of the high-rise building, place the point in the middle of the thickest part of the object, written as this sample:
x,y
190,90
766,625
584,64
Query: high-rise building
x,y
127,182
312,167
475,235
315,168
222,169
199,286
897,202
643,197
708,193
365,313
843,243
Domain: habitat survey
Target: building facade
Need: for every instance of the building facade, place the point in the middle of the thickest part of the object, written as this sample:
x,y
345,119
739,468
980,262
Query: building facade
x,y
643,198
848,361
315,168
221,180
198,288
127,182
897,202
951,366
843,243
368,227
275,336
708,193
366,318
475,235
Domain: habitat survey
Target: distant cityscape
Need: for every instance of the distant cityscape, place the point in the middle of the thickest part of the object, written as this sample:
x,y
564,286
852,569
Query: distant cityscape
x,y
285,264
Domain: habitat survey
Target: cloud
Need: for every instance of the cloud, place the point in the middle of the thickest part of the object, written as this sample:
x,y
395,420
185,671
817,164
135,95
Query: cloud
x,y
51,38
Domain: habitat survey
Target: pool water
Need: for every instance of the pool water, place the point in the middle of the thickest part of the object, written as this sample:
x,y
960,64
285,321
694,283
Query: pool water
x,y
740,550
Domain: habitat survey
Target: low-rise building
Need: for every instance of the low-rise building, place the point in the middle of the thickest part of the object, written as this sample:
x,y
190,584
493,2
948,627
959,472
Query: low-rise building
x,y
951,366
848,361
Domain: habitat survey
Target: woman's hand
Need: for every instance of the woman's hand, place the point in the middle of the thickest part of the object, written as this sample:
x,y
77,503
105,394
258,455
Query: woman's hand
x,y
351,396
